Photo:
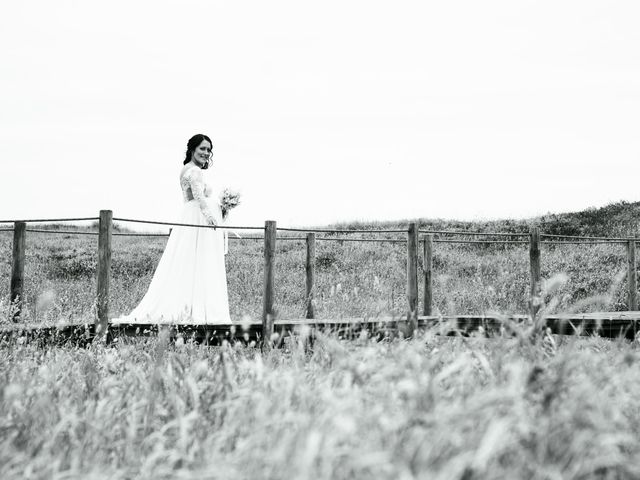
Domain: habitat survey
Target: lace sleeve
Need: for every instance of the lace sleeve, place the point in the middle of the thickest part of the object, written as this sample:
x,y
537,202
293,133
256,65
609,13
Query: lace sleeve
x,y
194,177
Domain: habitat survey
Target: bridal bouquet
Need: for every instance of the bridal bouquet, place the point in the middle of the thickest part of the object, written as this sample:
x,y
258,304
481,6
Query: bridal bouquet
x,y
228,200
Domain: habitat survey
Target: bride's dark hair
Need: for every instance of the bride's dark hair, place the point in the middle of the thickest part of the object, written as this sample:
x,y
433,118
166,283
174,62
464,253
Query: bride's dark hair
x,y
192,144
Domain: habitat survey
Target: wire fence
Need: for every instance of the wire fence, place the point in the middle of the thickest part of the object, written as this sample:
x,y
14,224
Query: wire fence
x,y
270,233
556,238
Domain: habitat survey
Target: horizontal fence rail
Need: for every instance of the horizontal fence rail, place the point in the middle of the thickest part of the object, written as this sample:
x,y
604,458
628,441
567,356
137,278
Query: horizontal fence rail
x,y
415,237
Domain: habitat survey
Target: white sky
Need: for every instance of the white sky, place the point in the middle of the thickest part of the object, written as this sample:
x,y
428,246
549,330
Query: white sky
x,y
320,111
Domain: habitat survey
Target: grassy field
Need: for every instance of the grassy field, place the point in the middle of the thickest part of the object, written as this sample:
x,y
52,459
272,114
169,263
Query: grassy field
x,y
537,407
432,407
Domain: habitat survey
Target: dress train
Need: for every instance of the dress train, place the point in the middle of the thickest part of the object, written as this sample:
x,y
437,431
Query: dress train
x,y
189,285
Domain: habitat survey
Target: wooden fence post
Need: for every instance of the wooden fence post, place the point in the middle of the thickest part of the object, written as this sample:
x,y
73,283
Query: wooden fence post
x,y
412,269
534,259
105,229
311,273
632,276
428,269
17,270
270,232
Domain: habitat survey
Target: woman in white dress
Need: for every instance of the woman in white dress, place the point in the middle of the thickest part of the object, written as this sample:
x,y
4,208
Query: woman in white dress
x,y
189,285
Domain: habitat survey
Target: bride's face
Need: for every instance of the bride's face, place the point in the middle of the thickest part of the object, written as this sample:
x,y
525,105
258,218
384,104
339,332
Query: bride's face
x,y
202,153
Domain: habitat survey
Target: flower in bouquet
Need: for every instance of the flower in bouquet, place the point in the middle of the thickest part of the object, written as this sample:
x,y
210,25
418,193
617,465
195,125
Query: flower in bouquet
x,y
228,200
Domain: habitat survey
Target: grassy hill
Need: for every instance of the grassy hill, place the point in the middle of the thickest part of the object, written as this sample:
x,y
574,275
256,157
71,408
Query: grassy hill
x,y
616,219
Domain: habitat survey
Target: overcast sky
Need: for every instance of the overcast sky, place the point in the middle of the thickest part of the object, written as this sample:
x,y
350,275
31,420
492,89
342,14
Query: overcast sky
x,y
320,111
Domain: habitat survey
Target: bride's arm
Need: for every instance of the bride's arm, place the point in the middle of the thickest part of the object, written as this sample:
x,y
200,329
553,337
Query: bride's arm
x,y
197,190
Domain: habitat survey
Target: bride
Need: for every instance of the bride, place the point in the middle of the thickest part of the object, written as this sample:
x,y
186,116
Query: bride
x,y
190,282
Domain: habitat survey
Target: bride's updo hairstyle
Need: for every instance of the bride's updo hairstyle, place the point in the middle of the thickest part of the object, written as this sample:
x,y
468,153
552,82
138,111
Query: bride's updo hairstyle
x,y
192,144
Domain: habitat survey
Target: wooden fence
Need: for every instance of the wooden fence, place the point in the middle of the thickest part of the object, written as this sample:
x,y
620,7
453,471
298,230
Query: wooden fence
x,y
105,234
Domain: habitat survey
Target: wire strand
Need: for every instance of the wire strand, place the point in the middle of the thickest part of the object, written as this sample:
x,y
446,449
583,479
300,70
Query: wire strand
x,y
504,242
326,230
487,234
65,232
387,240
579,237
49,220
126,234
596,242
215,227
371,240
115,234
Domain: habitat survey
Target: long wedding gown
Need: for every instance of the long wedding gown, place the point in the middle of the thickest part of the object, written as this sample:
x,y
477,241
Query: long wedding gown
x,y
190,282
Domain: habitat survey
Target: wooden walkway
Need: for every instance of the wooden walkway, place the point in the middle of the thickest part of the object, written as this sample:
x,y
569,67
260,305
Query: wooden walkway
x,y
604,324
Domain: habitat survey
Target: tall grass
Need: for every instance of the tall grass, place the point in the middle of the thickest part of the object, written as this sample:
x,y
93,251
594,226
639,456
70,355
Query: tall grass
x,y
433,407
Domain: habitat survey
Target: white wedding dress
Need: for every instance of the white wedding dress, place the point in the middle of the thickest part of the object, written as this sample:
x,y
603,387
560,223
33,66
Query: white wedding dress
x,y
189,285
